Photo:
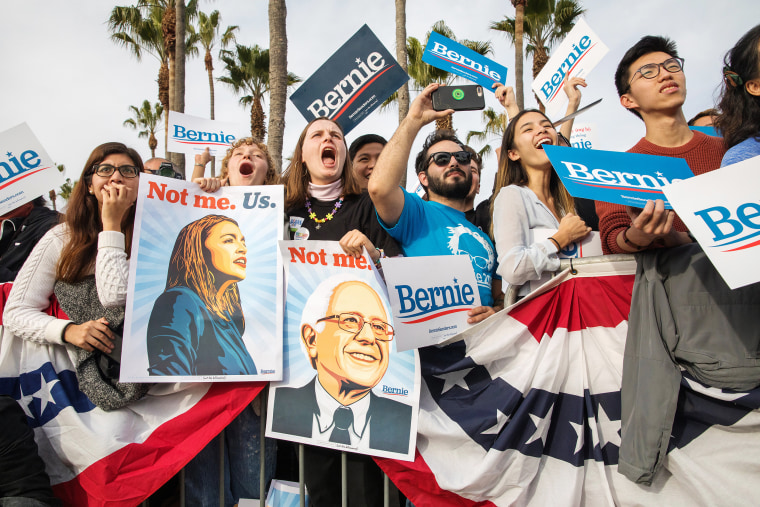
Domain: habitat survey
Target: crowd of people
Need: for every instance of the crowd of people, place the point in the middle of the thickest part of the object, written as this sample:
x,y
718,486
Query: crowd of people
x,y
351,195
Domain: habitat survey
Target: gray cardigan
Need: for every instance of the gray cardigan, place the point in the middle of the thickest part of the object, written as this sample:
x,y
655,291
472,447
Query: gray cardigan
x,y
683,316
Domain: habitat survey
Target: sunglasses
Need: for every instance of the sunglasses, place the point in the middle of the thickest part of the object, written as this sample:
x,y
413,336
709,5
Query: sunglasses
x,y
442,158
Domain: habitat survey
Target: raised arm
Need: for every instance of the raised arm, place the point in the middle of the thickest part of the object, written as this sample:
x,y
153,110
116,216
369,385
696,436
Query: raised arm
x,y
392,164
506,97
574,100
199,169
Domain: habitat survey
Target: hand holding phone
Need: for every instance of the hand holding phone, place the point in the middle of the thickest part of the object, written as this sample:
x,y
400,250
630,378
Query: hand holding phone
x,y
458,98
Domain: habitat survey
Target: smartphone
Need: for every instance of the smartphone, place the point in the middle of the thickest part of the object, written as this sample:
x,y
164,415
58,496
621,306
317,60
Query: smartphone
x,y
459,98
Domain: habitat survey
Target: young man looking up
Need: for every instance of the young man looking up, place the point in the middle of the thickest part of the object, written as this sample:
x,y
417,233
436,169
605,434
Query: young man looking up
x,y
651,84
437,226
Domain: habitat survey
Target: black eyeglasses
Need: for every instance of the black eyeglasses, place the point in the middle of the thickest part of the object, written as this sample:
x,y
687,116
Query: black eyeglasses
x,y
106,170
354,323
652,70
442,158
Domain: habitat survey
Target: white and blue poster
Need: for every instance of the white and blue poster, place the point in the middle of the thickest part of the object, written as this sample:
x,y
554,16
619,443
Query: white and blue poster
x,y
577,56
26,170
205,284
722,211
630,179
352,83
430,297
446,54
191,134
345,385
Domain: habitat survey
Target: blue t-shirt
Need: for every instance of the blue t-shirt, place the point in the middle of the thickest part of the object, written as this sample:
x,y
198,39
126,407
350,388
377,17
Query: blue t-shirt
x,y
746,149
430,228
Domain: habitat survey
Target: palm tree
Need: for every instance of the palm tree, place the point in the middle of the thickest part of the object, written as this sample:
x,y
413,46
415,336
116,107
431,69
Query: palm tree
x,y
518,42
207,35
147,117
141,33
546,23
423,74
148,27
248,73
278,79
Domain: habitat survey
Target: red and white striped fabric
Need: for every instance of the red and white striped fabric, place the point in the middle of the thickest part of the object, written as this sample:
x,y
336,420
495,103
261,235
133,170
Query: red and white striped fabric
x,y
113,458
525,410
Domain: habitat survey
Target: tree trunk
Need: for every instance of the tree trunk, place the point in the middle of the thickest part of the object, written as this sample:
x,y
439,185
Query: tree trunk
x,y
152,143
258,118
401,56
179,74
278,80
540,58
519,19
163,98
209,61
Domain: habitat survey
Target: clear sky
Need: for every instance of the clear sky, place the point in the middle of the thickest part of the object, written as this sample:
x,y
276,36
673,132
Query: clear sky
x,y
73,86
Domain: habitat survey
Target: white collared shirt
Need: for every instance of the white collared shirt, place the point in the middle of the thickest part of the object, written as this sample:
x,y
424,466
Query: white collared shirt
x,y
322,424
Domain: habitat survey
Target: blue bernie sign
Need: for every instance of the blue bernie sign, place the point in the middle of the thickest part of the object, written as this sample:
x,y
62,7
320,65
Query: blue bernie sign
x,y
710,131
445,54
352,83
630,179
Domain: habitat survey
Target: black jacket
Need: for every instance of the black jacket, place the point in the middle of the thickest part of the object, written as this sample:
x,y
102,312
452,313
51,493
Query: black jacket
x,y
20,242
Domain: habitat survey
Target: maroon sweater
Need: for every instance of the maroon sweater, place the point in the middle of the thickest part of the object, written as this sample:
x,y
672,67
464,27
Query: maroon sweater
x,y
703,154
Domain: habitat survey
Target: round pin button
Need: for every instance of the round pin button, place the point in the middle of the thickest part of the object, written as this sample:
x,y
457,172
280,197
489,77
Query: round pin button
x,y
457,93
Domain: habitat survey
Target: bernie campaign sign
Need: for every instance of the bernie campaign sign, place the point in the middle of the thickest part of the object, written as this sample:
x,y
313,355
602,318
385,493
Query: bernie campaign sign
x,y
352,83
721,209
578,54
192,134
445,54
26,170
630,179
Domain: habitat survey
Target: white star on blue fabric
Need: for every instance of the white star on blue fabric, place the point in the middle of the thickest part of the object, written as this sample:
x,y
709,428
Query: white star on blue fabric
x,y
44,394
501,420
455,378
608,429
578,428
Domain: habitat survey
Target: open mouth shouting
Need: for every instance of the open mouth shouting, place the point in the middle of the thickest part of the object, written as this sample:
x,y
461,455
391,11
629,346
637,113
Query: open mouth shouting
x,y
240,261
329,155
245,168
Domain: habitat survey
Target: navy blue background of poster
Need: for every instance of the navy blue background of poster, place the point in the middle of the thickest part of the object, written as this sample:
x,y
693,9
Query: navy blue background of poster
x,y
352,83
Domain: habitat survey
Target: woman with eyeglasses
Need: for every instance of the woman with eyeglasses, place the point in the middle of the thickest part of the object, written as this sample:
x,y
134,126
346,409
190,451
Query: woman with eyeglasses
x,y
84,262
529,195
739,120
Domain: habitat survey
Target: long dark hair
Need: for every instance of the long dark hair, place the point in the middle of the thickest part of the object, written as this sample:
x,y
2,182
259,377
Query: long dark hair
x,y
77,257
740,111
511,172
297,177
190,266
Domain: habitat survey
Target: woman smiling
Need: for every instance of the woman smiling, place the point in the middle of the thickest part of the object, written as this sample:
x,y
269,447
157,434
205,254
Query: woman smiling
x,y
529,195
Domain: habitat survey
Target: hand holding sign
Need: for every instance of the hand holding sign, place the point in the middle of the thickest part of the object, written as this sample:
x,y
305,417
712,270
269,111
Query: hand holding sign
x,y
647,226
